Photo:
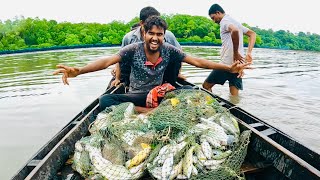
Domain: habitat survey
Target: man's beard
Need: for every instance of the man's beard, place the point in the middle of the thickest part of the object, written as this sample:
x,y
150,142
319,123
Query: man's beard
x,y
152,50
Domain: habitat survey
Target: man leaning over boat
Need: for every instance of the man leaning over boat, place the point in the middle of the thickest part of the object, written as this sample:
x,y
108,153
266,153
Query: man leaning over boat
x,y
148,61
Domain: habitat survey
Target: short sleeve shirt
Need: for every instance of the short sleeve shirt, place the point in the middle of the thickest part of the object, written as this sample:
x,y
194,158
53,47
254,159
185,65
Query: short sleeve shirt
x,y
227,45
143,77
134,36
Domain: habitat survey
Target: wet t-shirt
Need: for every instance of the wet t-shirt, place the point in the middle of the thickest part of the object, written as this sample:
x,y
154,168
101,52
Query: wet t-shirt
x,y
144,75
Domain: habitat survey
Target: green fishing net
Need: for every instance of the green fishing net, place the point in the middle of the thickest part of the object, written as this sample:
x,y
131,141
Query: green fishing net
x,y
189,135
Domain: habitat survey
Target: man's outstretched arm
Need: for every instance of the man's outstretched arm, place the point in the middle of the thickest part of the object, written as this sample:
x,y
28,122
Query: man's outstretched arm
x,y
203,63
94,66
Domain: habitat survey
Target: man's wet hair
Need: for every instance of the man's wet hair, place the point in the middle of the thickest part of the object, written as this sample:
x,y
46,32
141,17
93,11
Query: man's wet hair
x,y
214,8
147,12
155,21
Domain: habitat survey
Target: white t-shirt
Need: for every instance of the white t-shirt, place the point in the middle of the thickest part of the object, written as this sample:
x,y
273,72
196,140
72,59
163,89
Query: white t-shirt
x,y
227,45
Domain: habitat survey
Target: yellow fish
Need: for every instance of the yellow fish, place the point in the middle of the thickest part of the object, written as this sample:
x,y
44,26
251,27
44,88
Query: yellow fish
x,y
174,102
140,157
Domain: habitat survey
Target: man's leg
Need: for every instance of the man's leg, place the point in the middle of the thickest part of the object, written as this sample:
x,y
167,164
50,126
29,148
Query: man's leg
x,y
207,86
215,77
235,84
138,99
234,91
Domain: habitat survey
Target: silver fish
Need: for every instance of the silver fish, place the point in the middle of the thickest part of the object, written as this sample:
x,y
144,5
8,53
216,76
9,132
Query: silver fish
x,y
188,162
167,167
177,169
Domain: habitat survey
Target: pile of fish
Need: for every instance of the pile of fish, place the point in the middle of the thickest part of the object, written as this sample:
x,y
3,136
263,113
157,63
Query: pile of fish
x,y
124,145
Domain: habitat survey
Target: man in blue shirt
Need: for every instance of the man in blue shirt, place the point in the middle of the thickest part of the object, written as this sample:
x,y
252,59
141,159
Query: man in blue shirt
x,y
148,61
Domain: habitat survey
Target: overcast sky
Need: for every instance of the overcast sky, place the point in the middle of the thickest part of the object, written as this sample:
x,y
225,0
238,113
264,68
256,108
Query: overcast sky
x,y
289,15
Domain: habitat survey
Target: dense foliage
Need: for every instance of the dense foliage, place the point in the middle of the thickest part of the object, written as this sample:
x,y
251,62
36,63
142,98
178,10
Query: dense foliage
x,y
28,33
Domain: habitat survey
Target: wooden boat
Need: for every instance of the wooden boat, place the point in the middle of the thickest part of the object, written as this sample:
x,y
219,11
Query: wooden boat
x,y
272,154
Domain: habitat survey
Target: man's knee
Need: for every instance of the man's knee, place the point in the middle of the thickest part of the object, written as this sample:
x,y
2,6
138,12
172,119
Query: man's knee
x,y
106,101
207,85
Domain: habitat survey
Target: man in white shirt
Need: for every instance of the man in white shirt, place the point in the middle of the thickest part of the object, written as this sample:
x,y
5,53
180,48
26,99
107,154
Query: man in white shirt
x,y
231,33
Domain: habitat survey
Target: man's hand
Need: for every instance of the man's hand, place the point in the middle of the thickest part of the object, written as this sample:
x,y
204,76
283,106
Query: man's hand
x,y
249,57
115,82
67,72
238,67
237,57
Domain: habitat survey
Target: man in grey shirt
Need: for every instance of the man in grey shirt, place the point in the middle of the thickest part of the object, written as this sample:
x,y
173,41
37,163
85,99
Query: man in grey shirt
x,y
122,71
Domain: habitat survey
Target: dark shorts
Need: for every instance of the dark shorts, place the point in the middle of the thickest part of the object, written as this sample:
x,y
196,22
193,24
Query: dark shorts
x,y
220,77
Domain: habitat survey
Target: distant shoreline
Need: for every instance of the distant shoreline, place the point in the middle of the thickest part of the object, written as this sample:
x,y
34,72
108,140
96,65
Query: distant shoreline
x,y
6,52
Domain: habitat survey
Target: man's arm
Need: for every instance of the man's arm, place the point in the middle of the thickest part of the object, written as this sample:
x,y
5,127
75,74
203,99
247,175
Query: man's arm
x,y
117,75
116,72
203,63
94,66
252,40
235,41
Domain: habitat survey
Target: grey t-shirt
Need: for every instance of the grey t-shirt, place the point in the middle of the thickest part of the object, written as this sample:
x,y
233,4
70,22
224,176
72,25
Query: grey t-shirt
x,y
135,36
143,77
227,45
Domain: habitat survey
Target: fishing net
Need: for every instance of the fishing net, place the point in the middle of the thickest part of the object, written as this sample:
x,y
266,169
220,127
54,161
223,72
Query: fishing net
x,y
230,168
181,109
189,135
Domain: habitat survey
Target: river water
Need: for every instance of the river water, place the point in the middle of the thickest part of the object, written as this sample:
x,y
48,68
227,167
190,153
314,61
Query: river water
x,y
283,90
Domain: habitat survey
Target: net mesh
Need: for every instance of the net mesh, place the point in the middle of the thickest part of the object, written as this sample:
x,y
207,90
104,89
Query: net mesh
x,y
189,135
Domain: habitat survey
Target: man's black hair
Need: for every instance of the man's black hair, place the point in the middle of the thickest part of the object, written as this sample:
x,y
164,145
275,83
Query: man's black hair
x,y
155,21
214,8
147,12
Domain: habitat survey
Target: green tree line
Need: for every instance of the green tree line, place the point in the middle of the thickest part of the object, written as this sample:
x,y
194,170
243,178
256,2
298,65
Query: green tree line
x,y
29,33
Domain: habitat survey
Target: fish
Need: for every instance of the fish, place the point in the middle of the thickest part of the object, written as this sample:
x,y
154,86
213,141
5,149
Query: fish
x,y
138,171
181,137
155,172
167,167
206,148
138,168
188,162
140,157
106,168
174,101
129,111
194,170
212,141
222,155
167,151
211,164
177,169
200,155
78,146
181,176
229,123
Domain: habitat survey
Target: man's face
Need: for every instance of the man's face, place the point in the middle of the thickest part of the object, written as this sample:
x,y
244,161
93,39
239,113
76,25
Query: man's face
x,y
154,38
215,17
